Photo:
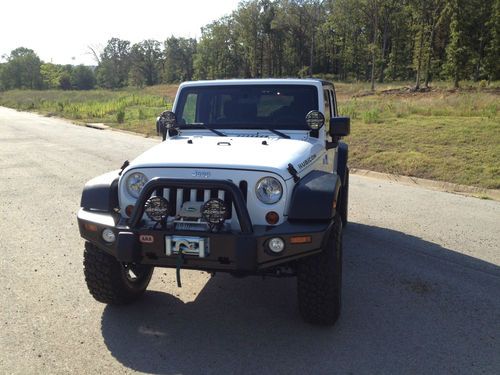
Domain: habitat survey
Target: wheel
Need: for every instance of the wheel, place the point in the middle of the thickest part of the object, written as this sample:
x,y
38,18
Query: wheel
x,y
319,281
112,282
344,199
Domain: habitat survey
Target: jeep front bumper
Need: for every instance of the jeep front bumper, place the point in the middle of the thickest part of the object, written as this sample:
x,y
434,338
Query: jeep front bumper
x,y
242,251
229,251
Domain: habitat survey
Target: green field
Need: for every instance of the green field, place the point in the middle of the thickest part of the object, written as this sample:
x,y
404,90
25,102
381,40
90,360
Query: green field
x,y
442,134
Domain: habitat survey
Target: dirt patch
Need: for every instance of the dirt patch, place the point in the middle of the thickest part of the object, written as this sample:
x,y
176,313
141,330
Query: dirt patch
x,y
411,91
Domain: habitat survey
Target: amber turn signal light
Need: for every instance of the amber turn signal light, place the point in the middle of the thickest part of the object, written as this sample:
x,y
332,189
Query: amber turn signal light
x,y
90,227
128,210
300,239
272,217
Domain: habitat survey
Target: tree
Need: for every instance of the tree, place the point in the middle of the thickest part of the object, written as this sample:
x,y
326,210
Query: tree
x,y
146,63
492,50
219,54
2,66
480,32
249,35
51,75
458,51
22,70
427,17
114,67
82,78
179,53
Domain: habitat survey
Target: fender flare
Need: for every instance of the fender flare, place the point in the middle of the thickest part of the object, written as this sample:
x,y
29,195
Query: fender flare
x,y
101,193
343,156
315,196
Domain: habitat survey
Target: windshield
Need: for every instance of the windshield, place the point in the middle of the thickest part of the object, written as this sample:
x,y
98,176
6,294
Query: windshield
x,y
246,106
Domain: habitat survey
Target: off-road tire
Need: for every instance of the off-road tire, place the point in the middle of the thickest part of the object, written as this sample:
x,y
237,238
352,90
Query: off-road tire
x,y
319,281
344,199
107,278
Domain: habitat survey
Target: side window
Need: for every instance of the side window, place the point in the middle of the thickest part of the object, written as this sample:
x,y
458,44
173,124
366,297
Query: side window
x,y
328,107
189,113
334,103
328,110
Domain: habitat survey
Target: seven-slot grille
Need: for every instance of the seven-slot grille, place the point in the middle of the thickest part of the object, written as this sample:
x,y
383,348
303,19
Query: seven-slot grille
x,y
177,197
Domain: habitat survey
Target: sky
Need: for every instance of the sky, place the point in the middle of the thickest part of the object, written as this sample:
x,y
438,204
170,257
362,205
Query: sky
x,y
61,31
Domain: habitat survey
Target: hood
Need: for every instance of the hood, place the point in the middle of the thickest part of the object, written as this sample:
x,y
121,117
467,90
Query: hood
x,y
250,153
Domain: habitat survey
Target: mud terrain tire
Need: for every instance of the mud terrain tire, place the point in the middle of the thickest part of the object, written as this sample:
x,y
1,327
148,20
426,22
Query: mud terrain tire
x,y
319,281
111,282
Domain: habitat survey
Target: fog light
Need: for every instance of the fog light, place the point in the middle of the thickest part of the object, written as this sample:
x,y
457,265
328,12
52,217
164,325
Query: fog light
x,y
276,245
108,235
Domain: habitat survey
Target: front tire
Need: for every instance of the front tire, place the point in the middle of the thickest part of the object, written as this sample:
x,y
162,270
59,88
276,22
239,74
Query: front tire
x,y
319,281
112,282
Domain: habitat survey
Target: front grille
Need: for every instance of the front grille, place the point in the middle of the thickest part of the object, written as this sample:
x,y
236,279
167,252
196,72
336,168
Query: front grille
x,y
177,197
197,192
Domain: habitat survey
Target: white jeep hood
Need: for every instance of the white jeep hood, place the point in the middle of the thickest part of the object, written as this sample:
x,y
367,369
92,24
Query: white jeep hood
x,y
247,153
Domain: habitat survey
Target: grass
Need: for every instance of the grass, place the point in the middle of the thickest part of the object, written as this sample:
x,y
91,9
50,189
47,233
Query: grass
x,y
443,134
439,135
131,109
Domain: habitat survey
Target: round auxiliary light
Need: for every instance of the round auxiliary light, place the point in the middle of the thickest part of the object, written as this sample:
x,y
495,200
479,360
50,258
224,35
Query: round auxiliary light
x,y
269,190
108,235
276,245
168,119
214,211
135,183
157,208
315,120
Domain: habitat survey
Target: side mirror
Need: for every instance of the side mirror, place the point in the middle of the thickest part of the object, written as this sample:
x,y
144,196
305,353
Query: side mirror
x,y
340,127
165,122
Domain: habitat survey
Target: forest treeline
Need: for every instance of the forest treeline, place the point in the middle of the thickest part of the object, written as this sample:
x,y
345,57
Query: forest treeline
x,y
347,40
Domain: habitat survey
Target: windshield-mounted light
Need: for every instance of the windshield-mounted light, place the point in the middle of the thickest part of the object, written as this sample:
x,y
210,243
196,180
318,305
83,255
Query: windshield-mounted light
x,y
315,120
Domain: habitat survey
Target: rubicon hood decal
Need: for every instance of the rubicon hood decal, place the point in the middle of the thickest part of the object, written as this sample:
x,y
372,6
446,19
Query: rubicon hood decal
x,y
306,162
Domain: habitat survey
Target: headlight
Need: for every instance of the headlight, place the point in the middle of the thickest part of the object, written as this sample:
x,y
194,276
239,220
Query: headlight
x,y
268,190
135,183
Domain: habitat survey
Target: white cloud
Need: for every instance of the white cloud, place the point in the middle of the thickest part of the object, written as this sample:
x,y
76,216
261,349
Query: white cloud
x,y
61,31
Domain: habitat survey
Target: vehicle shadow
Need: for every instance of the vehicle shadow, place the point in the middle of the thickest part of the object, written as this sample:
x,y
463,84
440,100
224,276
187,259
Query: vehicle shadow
x,y
409,306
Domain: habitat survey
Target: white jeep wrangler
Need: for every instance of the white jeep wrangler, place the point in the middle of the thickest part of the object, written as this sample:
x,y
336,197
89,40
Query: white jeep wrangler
x,y
251,178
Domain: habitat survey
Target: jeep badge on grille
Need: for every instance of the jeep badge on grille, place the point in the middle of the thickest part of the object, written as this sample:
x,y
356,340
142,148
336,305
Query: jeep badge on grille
x,y
201,174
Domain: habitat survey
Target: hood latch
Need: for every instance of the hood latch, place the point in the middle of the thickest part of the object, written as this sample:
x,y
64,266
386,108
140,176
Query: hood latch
x,y
293,172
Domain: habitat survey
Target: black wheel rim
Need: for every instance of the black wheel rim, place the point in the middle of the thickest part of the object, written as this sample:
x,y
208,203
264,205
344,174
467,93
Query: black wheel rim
x,y
134,273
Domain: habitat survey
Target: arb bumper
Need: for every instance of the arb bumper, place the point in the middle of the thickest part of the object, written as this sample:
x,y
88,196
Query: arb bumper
x,y
226,251
248,250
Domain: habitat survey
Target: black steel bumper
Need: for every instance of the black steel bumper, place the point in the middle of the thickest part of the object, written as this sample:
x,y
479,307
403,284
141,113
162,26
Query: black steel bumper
x,y
229,251
236,251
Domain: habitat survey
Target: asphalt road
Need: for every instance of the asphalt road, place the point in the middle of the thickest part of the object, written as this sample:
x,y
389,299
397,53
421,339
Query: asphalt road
x,y
421,281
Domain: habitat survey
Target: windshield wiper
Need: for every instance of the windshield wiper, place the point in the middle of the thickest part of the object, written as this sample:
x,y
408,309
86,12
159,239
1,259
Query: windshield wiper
x,y
203,125
274,131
